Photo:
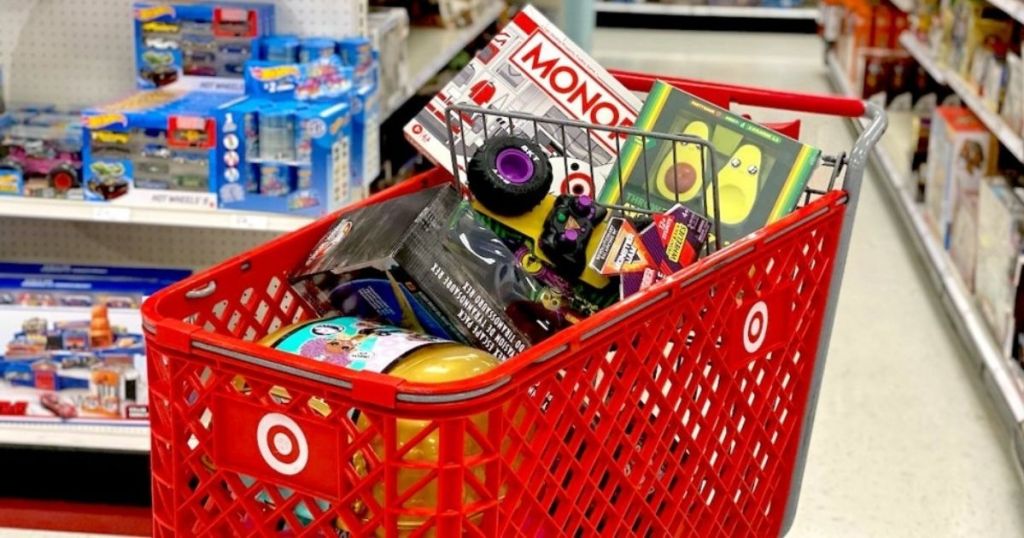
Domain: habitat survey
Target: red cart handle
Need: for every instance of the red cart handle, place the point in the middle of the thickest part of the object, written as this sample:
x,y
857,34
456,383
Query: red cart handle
x,y
728,93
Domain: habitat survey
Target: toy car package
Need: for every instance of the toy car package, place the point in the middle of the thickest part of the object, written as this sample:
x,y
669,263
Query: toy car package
x,y
424,263
760,173
532,68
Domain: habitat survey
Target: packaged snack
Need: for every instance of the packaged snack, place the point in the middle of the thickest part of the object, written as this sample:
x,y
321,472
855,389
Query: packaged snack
x,y
423,262
760,173
530,67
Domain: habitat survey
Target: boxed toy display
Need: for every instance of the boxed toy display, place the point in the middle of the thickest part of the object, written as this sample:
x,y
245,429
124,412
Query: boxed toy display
x,y
72,347
41,153
961,152
293,137
205,39
531,67
423,262
1000,247
760,173
389,33
157,147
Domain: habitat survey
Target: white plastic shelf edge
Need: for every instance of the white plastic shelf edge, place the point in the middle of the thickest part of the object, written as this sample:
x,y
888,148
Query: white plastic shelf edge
x,y
93,437
430,49
746,12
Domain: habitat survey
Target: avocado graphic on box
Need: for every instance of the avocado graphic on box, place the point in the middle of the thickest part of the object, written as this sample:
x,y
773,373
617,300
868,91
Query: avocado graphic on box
x,y
760,173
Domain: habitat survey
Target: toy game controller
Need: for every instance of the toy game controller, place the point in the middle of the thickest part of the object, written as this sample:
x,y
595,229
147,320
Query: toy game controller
x,y
567,231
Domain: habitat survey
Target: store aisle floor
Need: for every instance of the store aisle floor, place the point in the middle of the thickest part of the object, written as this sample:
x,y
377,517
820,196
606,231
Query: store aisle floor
x,y
905,443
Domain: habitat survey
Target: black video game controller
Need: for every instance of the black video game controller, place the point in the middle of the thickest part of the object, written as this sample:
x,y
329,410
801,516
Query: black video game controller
x,y
567,230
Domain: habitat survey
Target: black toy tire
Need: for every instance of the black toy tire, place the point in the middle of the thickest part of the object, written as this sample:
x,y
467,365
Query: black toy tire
x,y
494,192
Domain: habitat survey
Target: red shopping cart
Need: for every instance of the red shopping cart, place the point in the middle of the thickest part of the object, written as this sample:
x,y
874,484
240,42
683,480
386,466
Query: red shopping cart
x,y
684,410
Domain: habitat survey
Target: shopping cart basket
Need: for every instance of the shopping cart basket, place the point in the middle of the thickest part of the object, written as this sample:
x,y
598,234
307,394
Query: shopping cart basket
x,y
684,410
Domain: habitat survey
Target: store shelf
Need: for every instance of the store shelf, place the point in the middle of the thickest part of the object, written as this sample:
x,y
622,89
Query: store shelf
x,y
1013,8
1003,379
430,50
41,208
923,55
97,437
1010,139
906,6
682,10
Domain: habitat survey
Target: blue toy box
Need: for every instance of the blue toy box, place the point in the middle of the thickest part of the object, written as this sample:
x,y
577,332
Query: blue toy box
x,y
358,53
176,40
158,147
293,131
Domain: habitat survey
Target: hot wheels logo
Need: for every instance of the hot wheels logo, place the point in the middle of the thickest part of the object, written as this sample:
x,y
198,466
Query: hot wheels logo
x,y
576,91
100,121
277,72
154,12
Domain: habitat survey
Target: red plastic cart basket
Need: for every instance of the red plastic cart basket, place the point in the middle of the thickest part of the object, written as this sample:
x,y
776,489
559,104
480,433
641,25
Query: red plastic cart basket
x,y
685,410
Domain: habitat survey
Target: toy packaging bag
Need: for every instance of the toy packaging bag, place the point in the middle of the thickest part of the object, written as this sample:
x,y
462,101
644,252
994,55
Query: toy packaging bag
x,y
1000,242
760,173
422,262
533,68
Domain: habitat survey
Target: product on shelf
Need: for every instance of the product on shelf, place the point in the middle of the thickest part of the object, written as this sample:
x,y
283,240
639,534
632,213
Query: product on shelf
x,y
389,33
1000,247
202,39
447,13
71,343
1012,109
530,67
292,139
960,152
422,262
760,173
41,153
157,148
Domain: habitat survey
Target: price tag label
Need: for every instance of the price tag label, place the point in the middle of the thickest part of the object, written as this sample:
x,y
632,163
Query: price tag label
x,y
250,222
108,213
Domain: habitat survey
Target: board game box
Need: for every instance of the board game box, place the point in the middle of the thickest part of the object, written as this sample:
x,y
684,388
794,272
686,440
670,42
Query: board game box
x,y
760,173
531,67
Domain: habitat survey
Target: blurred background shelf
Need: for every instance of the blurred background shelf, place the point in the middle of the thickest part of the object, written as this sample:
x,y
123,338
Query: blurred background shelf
x,y
91,437
682,10
430,50
1003,380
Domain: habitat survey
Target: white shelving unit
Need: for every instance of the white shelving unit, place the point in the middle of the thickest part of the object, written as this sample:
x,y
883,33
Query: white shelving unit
x,y
1013,8
1010,139
128,438
430,49
1003,379
905,6
923,55
76,210
748,12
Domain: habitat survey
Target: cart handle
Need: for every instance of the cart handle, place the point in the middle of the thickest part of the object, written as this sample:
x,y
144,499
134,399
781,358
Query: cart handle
x,y
744,95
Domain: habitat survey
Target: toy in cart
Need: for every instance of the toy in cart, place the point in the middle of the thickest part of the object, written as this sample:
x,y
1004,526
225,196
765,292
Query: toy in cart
x,y
696,386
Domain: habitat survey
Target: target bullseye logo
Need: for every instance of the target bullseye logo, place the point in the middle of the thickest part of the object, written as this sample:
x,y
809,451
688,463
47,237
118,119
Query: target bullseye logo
x,y
755,328
282,444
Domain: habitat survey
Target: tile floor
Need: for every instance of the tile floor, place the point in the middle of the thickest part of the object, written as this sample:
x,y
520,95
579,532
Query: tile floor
x,y
904,443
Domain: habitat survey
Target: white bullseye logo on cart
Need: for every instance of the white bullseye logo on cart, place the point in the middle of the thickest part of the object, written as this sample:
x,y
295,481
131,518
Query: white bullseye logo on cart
x,y
755,327
282,444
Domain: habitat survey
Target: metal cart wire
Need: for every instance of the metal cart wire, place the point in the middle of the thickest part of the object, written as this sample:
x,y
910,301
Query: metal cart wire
x,y
684,410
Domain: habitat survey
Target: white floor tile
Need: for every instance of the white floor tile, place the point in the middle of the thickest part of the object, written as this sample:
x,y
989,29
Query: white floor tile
x,y
905,444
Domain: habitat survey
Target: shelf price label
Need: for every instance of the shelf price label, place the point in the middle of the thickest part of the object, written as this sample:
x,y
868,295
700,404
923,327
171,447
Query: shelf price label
x,y
106,213
250,222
